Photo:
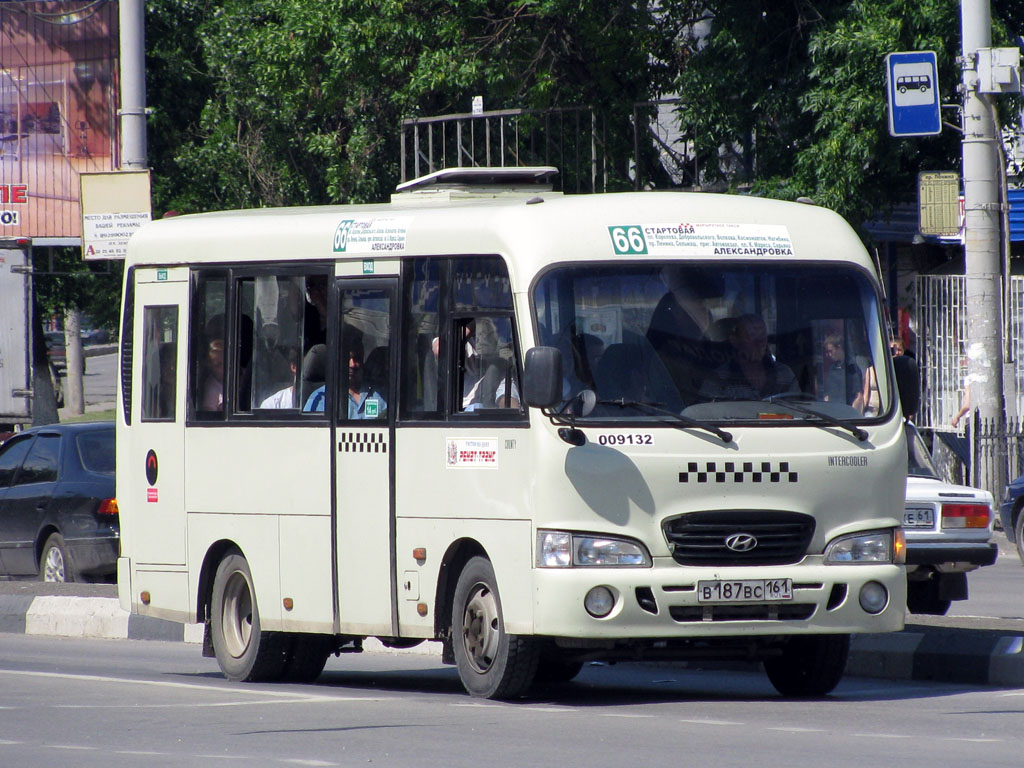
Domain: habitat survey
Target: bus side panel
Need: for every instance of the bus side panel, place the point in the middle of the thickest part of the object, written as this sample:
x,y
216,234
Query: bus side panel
x,y
306,572
263,475
508,544
256,538
169,594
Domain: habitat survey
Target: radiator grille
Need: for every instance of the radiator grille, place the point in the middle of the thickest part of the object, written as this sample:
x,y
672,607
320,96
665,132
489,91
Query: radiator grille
x,y
699,538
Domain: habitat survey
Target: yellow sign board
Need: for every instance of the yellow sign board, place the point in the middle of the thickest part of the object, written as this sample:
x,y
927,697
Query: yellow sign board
x,y
938,197
114,205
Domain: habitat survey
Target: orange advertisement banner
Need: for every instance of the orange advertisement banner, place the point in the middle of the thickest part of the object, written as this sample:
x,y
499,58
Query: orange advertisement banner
x,y
58,111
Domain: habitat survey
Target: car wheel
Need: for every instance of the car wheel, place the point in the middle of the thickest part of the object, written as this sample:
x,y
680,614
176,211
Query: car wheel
x,y
810,665
923,598
491,663
55,564
243,650
1018,533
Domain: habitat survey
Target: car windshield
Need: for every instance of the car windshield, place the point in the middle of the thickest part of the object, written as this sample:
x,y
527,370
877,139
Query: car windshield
x,y
96,450
919,462
765,343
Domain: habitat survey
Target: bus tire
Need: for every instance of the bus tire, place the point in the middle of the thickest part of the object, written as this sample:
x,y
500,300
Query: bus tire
x,y
492,664
244,651
810,665
306,656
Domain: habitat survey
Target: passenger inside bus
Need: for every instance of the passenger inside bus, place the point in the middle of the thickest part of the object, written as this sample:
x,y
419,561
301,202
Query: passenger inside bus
x,y
285,397
680,328
752,372
364,402
842,381
213,379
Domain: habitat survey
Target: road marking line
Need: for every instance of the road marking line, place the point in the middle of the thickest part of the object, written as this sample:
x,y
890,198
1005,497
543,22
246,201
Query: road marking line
x,y
241,691
793,729
71,747
882,735
626,716
710,722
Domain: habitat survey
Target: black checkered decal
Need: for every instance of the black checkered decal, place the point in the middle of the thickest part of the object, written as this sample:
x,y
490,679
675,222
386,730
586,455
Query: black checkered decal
x,y
736,472
362,442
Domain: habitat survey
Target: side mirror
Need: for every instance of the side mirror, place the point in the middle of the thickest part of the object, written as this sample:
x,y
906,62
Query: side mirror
x,y
542,377
908,382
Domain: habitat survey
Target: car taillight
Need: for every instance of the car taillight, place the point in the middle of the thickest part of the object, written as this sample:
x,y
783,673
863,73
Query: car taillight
x,y
107,507
965,515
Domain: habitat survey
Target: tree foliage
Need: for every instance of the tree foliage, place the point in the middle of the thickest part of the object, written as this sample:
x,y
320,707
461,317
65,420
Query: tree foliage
x,y
283,102
300,101
789,97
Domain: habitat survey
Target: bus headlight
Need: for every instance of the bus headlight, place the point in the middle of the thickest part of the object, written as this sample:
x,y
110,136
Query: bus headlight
x,y
873,547
561,549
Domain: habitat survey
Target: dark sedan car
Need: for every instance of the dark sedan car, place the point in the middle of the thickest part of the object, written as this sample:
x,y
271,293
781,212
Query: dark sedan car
x,y
58,514
1011,514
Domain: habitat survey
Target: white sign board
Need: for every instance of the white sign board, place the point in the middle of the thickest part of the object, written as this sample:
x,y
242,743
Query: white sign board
x,y
114,206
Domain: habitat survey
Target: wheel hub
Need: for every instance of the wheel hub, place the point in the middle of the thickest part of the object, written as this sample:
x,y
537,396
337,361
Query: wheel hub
x,y
480,634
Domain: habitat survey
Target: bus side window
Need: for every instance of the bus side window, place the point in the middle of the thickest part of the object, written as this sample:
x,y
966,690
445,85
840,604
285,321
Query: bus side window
x,y
277,346
159,362
422,342
486,364
207,346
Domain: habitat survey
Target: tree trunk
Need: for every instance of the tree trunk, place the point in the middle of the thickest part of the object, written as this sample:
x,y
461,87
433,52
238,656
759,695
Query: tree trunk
x,y
73,386
44,399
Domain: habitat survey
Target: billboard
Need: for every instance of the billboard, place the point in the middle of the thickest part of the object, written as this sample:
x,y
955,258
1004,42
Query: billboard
x,y
58,112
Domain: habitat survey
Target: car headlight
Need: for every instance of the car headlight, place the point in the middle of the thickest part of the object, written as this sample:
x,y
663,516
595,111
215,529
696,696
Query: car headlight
x,y
874,547
561,549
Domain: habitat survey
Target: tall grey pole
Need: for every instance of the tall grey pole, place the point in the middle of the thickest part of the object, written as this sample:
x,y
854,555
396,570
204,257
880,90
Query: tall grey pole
x,y
982,217
133,85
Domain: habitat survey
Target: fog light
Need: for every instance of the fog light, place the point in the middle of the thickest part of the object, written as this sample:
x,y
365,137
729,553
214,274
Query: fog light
x,y
873,597
599,602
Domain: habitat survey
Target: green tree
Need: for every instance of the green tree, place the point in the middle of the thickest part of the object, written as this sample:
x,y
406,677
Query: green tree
x,y
789,98
283,102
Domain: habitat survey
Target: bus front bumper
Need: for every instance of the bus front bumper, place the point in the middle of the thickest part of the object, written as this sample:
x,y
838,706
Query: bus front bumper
x,y
664,600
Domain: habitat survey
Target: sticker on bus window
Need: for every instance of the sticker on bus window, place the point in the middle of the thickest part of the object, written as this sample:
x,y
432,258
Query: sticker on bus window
x,y
700,239
471,453
371,234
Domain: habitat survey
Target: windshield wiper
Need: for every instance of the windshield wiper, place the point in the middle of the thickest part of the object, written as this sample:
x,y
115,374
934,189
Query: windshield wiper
x,y
787,400
721,434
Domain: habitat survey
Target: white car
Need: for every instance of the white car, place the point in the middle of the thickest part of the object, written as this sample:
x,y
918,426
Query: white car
x,y
949,533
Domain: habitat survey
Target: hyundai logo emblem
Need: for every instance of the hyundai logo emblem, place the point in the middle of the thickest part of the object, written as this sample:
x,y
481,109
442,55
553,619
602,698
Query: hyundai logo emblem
x,y
740,542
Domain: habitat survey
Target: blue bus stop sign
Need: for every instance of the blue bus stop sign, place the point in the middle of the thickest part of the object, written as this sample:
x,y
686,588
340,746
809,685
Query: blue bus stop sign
x,y
913,92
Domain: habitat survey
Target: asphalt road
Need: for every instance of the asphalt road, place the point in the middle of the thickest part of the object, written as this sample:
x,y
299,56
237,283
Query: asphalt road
x,y
104,704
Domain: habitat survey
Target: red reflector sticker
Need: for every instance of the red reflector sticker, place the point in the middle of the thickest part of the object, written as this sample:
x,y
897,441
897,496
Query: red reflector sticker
x,y
151,494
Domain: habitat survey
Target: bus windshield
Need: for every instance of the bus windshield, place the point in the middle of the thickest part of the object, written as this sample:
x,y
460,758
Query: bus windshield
x,y
739,342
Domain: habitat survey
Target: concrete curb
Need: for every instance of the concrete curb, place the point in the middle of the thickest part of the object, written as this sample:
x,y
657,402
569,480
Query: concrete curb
x,y
993,657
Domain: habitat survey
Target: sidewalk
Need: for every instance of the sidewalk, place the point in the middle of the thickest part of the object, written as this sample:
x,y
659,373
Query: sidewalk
x,y
952,649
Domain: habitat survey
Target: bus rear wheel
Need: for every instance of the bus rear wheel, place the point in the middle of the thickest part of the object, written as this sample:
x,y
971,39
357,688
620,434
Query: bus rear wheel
x,y
810,665
492,664
244,651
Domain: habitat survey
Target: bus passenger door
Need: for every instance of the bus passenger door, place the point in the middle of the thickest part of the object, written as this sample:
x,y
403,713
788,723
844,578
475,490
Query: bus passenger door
x,y
364,472
155,529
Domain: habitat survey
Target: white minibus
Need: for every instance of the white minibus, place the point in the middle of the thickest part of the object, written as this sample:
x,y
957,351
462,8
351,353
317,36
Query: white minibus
x,y
540,429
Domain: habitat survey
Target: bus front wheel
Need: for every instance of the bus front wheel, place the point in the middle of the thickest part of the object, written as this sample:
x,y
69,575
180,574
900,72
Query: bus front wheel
x,y
491,663
810,665
244,651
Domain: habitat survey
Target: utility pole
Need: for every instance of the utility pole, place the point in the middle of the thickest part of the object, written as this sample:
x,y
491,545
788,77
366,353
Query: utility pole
x,y
982,243
133,85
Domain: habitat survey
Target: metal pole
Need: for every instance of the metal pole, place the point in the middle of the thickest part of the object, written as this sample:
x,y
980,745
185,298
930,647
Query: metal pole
x,y
133,85
982,218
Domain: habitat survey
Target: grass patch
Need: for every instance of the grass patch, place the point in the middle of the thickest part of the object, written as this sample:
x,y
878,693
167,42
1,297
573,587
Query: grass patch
x,y
90,416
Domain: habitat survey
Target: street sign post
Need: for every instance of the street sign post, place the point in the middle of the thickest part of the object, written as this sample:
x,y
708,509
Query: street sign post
x,y
913,94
